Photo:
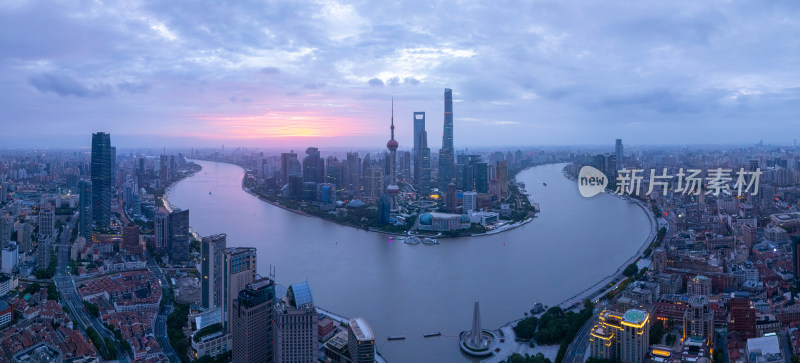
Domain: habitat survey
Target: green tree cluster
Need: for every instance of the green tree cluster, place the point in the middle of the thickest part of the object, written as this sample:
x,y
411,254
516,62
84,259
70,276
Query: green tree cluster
x,y
518,358
631,270
526,328
92,308
175,323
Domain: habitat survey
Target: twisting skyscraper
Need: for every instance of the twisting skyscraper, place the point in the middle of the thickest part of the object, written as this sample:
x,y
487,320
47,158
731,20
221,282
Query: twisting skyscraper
x,y
446,153
101,179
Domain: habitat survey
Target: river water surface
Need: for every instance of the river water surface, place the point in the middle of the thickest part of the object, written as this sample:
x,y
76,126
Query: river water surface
x,y
412,289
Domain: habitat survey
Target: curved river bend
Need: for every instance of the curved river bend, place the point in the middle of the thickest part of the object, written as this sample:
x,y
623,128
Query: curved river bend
x,y
412,289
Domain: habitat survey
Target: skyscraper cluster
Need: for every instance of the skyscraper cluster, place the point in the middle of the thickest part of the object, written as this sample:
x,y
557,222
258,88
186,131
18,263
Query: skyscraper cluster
x,y
172,237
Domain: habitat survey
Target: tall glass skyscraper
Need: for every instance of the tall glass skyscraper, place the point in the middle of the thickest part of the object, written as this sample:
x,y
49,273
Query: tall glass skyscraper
x,y
101,179
446,153
85,219
422,154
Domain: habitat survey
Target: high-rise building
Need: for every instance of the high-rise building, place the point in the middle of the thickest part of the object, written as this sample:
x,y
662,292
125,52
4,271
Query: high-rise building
x,y
333,172
659,259
743,317
447,153
240,270
470,201
502,177
313,166
374,182
618,152
621,337
86,217
384,210
102,170
43,252
420,141
10,258
130,239
699,285
796,256
179,237
698,320
253,340
296,333
451,198
287,166
352,172
212,271
6,228
360,341
404,167
392,189
24,237
749,235
47,221
161,230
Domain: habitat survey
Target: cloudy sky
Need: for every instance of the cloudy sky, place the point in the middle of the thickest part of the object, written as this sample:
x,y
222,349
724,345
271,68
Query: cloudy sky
x,y
299,73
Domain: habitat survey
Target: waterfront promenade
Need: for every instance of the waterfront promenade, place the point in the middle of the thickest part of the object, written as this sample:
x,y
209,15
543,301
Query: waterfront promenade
x,y
577,348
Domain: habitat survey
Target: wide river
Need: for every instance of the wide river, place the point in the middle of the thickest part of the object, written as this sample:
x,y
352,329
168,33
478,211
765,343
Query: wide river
x,y
408,290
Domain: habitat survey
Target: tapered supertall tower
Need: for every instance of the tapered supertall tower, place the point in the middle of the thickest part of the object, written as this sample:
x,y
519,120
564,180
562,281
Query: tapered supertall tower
x,y
392,189
447,173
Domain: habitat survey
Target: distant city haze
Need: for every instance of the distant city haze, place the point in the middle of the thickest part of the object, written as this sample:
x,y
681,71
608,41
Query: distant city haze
x,y
297,74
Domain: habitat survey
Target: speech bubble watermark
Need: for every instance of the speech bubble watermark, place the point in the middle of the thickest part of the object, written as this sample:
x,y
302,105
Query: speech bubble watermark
x,y
591,181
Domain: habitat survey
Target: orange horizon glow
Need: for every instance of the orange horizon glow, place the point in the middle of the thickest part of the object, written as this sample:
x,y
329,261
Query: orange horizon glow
x,y
280,124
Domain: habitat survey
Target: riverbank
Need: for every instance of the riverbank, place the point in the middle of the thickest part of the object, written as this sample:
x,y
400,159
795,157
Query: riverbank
x,y
509,225
594,293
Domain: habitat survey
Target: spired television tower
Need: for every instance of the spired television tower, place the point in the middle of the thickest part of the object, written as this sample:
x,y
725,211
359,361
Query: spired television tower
x,y
392,189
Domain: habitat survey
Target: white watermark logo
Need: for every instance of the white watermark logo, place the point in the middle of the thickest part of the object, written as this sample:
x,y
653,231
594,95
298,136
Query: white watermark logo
x,y
717,182
591,181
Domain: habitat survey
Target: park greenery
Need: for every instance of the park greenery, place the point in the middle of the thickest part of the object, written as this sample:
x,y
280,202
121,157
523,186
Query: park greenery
x,y
555,326
175,323
662,232
630,270
518,358
656,333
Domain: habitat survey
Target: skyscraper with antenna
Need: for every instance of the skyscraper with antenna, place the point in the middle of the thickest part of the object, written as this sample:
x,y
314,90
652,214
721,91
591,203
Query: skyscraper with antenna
x,y
392,189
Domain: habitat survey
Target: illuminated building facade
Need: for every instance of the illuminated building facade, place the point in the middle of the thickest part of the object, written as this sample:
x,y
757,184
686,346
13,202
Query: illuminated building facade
x,y
622,337
698,320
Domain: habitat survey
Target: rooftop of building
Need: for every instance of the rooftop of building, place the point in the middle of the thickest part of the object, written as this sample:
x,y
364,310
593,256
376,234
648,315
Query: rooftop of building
x,y
764,345
361,329
301,293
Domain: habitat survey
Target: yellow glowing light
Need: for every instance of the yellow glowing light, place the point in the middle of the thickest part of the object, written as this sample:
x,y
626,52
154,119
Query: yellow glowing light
x,y
662,353
434,196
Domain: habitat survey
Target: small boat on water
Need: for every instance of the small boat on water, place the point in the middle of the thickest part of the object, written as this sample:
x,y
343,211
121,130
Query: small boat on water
x,y
412,240
432,334
543,183
430,241
396,337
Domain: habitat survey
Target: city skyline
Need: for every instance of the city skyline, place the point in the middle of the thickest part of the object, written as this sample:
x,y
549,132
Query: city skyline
x,y
296,74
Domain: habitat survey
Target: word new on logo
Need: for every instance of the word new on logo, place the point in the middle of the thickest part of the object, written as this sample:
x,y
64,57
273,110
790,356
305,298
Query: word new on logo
x,y
591,181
